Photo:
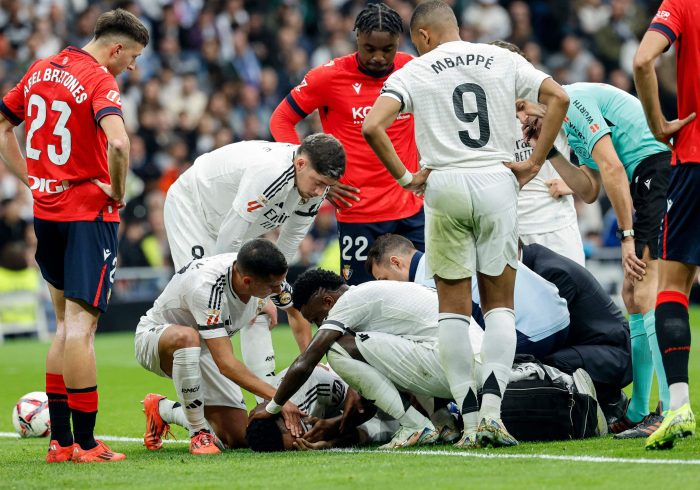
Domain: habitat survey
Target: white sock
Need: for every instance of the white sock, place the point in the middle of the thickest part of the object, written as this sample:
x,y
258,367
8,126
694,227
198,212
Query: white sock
x,y
497,354
172,413
457,360
376,387
679,395
188,380
256,347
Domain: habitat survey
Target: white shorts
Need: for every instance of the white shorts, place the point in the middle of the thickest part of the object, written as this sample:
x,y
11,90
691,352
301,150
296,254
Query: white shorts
x,y
471,222
412,366
188,235
565,241
218,390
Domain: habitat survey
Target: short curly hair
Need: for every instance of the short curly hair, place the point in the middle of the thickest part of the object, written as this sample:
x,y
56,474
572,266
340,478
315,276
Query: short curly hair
x,y
264,436
311,281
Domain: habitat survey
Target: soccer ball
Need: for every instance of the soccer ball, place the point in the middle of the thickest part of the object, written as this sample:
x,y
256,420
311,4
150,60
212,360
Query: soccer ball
x,y
30,416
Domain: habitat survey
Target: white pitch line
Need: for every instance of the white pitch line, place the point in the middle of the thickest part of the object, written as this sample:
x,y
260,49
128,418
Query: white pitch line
x,y
554,457
458,454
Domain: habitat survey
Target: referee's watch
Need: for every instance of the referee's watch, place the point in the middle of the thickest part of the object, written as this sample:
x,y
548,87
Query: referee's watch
x,y
622,234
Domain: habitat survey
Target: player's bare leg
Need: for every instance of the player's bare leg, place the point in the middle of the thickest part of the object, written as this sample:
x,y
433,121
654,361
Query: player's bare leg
x,y
497,353
673,331
61,444
229,425
456,355
80,374
179,351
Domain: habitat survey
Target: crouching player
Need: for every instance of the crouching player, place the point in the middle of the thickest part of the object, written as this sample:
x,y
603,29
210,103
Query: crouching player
x,y
185,336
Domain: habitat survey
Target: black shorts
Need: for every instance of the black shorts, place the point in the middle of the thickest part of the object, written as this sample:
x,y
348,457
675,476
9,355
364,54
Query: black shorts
x,y
648,189
680,232
78,258
357,238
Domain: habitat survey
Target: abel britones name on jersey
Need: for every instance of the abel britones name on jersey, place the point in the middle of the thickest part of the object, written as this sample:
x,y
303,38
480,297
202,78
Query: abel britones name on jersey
x,y
61,77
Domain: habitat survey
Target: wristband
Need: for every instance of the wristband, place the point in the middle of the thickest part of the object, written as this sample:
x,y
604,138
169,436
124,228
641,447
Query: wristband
x,y
405,179
273,408
552,153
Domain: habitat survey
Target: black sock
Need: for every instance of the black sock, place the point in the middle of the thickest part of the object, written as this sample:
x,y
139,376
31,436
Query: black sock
x,y
673,335
83,405
60,419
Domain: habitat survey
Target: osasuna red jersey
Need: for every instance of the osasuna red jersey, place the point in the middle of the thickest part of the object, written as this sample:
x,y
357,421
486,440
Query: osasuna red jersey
x,y
679,22
344,93
62,99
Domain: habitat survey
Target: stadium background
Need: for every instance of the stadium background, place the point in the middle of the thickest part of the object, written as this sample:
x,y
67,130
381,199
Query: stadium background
x,y
215,70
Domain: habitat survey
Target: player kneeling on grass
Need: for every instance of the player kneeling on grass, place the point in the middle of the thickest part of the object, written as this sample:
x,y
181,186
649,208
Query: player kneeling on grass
x,y
185,336
326,398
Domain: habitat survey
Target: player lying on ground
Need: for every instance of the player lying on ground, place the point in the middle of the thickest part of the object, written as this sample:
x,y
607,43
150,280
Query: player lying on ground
x,y
381,338
242,191
185,336
606,129
324,397
563,316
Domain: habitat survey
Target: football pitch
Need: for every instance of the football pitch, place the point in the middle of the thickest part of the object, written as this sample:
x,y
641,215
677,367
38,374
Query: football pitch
x,y
593,463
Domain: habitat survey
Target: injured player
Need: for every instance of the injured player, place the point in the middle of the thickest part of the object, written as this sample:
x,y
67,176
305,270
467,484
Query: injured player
x,y
381,338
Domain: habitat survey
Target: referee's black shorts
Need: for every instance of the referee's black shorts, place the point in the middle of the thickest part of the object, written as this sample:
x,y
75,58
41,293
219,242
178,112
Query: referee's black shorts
x,y
648,188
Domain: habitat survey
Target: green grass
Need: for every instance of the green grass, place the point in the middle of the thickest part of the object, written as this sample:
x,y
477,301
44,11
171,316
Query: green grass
x,y
122,384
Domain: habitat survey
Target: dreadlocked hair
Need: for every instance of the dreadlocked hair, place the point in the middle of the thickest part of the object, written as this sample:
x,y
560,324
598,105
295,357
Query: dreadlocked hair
x,y
378,17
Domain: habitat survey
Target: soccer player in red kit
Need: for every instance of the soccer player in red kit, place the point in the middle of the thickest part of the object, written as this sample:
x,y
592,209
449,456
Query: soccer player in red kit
x,y
369,202
77,156
677,21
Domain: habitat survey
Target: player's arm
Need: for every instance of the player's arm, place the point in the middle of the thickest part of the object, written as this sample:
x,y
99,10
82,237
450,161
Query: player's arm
x,y
614,179
301,328
10,152
653,44
284,120
222,353
303,366
583,181
380,117
231,232
117,156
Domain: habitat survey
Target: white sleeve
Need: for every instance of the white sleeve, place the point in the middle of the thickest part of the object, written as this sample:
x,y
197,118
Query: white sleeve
x,y
528,79
396,87
296,227
206,306
231,232
347,314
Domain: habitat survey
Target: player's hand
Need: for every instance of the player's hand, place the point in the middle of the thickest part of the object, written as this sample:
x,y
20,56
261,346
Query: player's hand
x,y
303,445
292,419
558,188
271,311
670,128
323,429
107,189
524,171
631,264
339,194
351,408
526,109
417,185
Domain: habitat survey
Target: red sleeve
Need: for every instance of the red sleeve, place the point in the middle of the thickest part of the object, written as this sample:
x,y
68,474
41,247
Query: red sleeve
x,y
283,123
310,94
106,99
12,105
668,21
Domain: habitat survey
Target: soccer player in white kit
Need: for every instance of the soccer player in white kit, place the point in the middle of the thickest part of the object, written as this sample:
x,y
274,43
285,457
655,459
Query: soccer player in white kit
x,y
462,96
242,191
185,336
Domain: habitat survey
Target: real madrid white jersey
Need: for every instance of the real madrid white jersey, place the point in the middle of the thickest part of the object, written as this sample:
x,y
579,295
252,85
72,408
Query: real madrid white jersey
x,y
462,96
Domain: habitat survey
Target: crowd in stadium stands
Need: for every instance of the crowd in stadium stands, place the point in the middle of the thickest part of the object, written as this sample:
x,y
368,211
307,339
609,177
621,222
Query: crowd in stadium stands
x,y
215,71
